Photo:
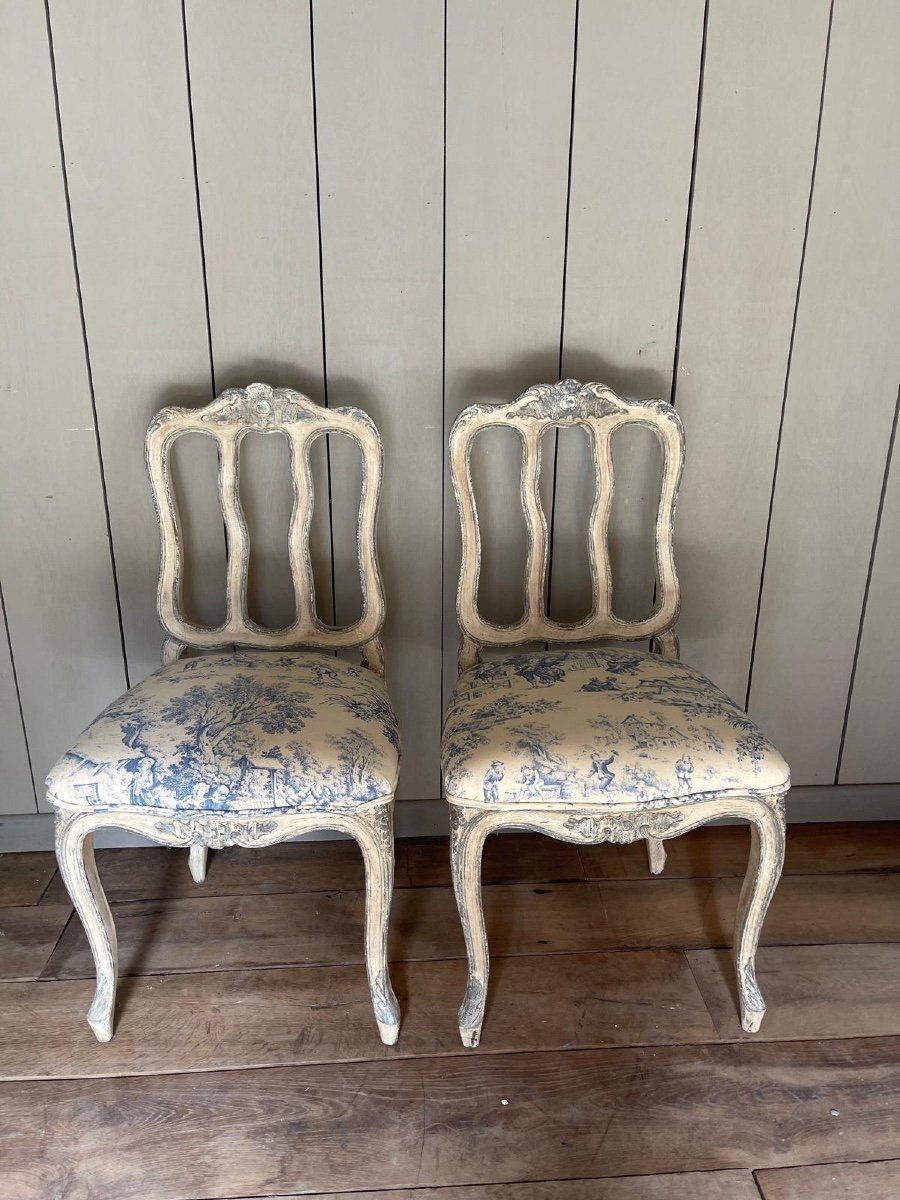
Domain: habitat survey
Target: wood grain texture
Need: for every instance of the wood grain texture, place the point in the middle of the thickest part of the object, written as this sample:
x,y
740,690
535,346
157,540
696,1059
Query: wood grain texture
x,y
507,166
54,550
134,212
423,1122
692,1185
635,108
324,927
380,166
155,873
289,1016
871,747
27,938
812,991
811,849
25,877
751,190
844,371
257,178
833,1181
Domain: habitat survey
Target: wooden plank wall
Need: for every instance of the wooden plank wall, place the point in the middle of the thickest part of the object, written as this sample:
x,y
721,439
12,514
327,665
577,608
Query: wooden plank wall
x,y
418,205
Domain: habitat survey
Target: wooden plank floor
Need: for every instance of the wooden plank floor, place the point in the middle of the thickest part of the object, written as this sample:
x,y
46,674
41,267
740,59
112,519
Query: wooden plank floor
x,y
613,1067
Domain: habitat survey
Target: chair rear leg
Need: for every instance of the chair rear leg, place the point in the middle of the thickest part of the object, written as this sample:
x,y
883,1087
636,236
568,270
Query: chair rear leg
x,y
467,833
198,856
75,856
656,854
763,871
374,831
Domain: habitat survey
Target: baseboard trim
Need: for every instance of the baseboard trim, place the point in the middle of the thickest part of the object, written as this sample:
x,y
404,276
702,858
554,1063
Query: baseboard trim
x,y
424,818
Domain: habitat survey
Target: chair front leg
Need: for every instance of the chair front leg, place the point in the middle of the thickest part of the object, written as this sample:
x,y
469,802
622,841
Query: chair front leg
x,y
656,855
197,859
468,829
767,826
373,829
75,856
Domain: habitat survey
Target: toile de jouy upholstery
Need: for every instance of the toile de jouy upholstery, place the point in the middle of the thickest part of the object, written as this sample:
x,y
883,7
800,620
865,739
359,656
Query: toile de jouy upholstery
x,y
604,726
251,732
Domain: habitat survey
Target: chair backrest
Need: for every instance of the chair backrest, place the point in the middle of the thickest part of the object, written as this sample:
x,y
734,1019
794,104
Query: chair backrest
x,y
601,412
228,419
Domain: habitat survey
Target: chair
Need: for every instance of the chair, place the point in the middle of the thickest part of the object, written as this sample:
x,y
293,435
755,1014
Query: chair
x,y
254,742
593,744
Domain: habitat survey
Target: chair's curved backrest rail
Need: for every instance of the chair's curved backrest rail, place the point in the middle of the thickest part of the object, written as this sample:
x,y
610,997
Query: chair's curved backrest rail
x,y
601,412
228,419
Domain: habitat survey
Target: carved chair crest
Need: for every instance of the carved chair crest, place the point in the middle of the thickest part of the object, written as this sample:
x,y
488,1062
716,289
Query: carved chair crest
x,y
228,419
601,412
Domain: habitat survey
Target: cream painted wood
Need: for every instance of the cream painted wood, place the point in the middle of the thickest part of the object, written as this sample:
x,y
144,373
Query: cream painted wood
x,y
228,420
871,746
840,401
600,411
751,192
17,795
126,123
587,825
371,826
381,166
633,135
58,585
257,180
507,163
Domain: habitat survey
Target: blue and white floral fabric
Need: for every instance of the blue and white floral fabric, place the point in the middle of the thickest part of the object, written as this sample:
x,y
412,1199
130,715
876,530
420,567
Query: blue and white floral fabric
x,y
606,726
249,732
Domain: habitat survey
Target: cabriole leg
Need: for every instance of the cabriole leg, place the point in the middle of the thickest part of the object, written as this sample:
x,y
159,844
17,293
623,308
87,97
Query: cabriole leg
x,y
374,830
75,856
197,861
467,833
656,853
766,860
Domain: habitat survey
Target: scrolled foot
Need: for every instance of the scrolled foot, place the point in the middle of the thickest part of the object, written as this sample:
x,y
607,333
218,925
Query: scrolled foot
x,y
753,1007
751,1019
470,1035
100,1016
389,1032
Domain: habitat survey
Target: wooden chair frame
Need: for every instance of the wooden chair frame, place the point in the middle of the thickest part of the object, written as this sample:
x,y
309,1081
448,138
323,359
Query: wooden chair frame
x,y
600,412
228,419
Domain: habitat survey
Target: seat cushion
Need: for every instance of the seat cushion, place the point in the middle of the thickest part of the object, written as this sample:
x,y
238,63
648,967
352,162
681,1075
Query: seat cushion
x,y
607,726
246,732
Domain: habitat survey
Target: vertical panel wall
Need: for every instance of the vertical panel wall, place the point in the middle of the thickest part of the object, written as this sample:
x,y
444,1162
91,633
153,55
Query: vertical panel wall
x,y
54,550
751,194
418,204
256,172
380,120
126,125
840,405
635,112
509,109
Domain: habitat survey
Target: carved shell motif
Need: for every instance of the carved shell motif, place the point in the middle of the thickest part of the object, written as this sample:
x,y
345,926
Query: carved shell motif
x,y
629,827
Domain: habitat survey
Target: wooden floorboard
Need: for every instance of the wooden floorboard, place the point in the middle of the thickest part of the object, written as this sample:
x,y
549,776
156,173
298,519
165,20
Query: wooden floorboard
x,y
433,1122
157,873
703,1185
27,938
833,1181
323,1014
24,877
811,991
717,850
326,927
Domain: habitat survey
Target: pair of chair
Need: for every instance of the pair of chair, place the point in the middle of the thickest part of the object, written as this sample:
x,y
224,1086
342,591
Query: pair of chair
x,y
254,742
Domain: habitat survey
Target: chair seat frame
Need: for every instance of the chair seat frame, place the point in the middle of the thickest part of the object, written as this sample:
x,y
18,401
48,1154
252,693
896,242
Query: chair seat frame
x,y
228,419
601,412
